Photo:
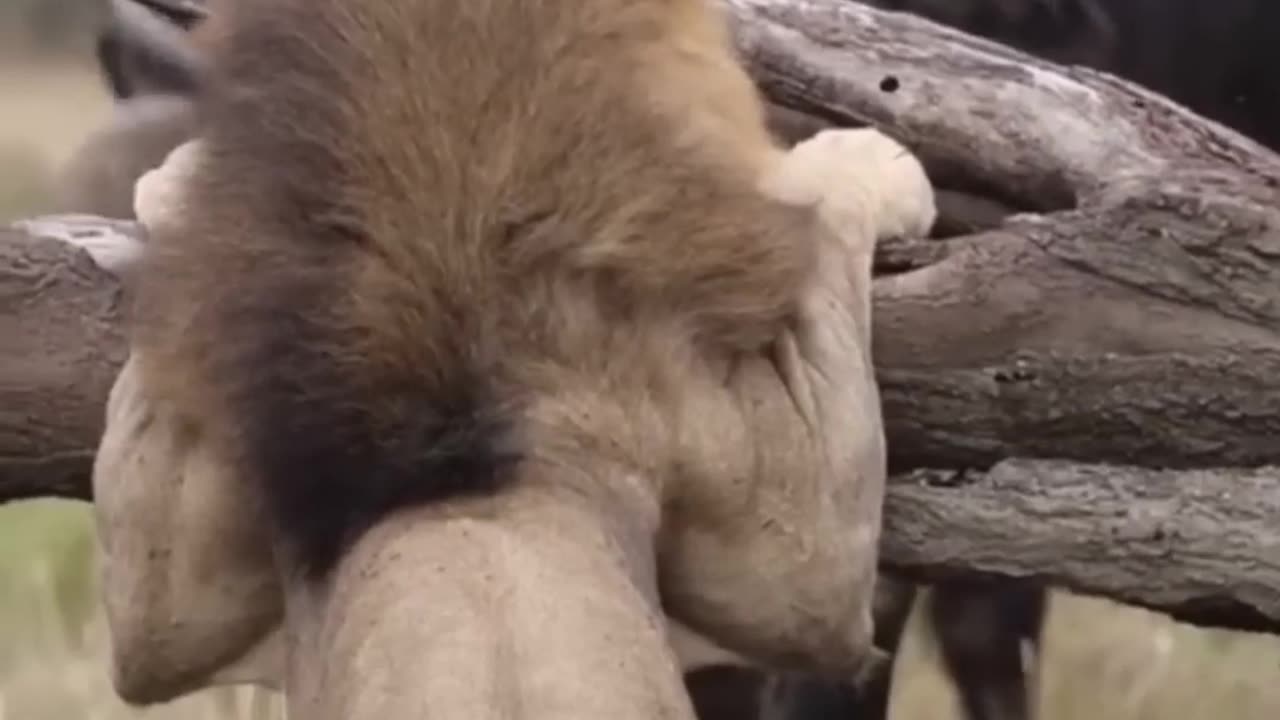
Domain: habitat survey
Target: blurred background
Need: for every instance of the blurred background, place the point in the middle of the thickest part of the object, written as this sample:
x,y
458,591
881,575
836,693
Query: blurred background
x,y
50,93
1103,661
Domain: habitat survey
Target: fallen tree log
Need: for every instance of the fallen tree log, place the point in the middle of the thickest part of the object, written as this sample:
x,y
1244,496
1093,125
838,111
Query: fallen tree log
x,y
1200,545
1104,363
61,344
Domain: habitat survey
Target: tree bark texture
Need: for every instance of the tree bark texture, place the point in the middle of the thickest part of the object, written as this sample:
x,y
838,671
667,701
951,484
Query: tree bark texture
x,y
1126,316
1081,377
61,344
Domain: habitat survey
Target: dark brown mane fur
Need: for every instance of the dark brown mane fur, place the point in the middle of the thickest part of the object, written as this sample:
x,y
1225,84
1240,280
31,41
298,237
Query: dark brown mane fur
x,y
406,205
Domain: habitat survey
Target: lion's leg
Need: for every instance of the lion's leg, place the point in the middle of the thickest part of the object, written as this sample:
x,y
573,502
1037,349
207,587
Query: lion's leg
x,y
142,668
191,599
187,579
538,602
867,187
789,576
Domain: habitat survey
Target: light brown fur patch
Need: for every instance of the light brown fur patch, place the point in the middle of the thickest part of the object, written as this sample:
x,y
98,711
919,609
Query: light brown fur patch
x,y
419,219
495,253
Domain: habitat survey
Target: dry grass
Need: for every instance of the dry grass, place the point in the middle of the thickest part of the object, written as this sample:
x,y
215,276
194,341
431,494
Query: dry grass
x,y
1103,662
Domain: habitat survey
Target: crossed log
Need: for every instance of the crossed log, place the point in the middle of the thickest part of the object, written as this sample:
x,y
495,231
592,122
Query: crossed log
x,y
1081,383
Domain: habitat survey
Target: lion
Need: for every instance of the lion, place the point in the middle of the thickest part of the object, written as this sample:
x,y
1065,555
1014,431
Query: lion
x,y
396,362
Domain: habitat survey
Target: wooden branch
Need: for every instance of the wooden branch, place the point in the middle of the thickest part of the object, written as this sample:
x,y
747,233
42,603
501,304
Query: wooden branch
x,y
1137,320
63,344
1220,556
983,115
1201,545
1134,322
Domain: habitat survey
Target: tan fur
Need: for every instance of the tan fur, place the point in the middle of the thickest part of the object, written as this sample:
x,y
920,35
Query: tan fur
x,y
772,552
170,520
665,340
687,127
156,632
550,249
526,605
191,654
188,590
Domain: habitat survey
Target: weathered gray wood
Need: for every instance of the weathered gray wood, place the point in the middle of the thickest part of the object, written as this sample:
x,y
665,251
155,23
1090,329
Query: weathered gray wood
x,y
1135,320
1013,126
1202,545
1142,304
61,343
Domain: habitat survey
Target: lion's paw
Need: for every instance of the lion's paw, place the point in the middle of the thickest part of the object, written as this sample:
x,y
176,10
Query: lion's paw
x,y
867,184
158,195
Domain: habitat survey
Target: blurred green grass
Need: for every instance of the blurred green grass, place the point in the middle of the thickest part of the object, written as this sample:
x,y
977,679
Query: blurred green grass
x,y
1103,661
53,644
